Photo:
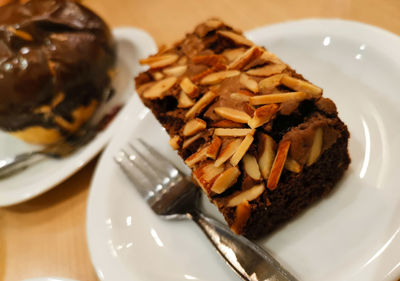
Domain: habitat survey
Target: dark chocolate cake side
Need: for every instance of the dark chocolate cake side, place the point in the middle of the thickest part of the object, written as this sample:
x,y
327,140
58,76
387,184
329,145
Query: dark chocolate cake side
x,y
262,142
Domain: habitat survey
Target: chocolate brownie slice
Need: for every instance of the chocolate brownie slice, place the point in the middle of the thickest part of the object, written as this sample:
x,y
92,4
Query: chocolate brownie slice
x,y
262,142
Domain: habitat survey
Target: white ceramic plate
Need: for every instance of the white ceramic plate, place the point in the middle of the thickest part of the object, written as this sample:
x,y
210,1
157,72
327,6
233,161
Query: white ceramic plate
x,y
351,235
132,45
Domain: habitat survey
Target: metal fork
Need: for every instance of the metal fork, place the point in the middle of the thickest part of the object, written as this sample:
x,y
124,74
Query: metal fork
x,y
172,195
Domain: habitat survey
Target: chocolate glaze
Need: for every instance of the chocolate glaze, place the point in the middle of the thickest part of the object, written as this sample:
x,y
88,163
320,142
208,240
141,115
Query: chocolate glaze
x,y
48,47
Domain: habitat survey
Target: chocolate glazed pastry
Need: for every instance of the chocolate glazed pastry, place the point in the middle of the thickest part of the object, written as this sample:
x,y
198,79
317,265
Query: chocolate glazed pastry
x,y
56,58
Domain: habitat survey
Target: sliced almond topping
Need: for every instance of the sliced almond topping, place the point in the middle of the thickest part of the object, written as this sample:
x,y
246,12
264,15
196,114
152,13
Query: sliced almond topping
x,y
279,98
241,61
21,34
232,114
267,155
232,54
227,152
234,132
217,77
193,127
160,61
182,61
196,157
271,82
270,57
249,83
240,97
237,38
248,195
209,60
316,147
201,104
267,70
301,86
175,70
159,88
242,215
214,147
214,23
242,149
191,140
184,101
211,172
189,88
174,142
292,165
278,164
158,75
263,115
227,124
225,180
206,174
251,166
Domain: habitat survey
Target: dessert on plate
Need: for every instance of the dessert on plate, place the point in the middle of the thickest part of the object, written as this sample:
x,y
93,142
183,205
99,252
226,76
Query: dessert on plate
x,y
261,140
56,59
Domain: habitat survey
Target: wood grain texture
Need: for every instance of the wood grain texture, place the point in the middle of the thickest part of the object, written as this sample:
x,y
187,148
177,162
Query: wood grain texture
x,y
46,236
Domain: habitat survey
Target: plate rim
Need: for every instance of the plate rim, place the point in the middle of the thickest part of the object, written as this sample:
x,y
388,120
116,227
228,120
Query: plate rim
x,y
251,33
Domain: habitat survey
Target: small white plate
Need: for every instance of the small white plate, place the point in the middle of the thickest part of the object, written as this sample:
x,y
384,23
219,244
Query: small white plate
x,y
351,235
132,45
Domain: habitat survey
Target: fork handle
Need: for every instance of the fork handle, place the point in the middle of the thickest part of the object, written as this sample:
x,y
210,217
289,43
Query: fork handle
x,y
11,165
249,260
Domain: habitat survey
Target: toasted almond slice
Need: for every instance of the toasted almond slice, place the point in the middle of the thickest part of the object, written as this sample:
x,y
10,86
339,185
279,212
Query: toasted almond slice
x,y
292,165
249,83
267,70
232,132
242,214
240,97
241,61
217,77
205,175
262,115
227,124
196,157
158,75
160,61
211,172
316,147
21,34
209,60
278,164
227,152
214,147
301,86
271,82
189,88
242,149
279,98
191,140
159,88
267,155
175,70
232,54
214,23
237,38
174,142
200,104
251,166
270,57
225,180
193,127
247,195
184,101
232,114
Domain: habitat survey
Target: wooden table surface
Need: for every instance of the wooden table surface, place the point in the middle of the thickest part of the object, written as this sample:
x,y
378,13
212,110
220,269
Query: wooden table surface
x,y
46,236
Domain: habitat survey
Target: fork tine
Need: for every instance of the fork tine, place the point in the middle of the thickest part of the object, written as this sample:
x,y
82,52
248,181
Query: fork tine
x,y
173,171
127,166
